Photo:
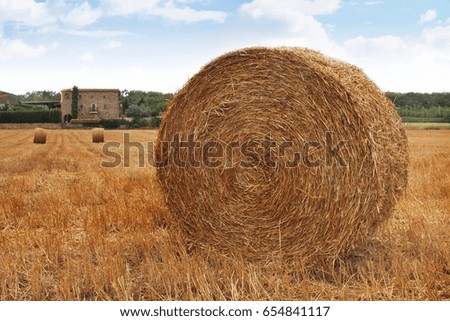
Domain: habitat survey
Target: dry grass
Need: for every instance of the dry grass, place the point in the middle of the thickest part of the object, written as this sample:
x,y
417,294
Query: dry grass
x,y
428,126
71,230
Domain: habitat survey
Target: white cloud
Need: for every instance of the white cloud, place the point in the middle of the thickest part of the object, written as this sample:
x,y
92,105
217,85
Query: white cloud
x,y
95,33
298,15
428,16
135,72
192,1
16,48
124,8
10,48
382,44
57,13
112,44
167,9
49,13
372,3
26,12
187,14
438,37
87,56
82,15
397,63
404,64
289,9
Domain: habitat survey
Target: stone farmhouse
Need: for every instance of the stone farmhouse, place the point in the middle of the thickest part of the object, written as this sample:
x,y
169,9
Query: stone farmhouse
x,y
92,104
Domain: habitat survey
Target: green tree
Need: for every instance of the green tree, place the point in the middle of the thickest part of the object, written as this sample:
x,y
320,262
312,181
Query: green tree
x,y
75,102
40,95
156,102
124,101
136,111
155,122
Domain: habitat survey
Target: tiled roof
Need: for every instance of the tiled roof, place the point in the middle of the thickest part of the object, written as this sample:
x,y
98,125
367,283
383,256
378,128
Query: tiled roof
x,y
91,90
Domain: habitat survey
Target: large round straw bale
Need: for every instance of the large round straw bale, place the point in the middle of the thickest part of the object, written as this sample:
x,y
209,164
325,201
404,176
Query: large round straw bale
x,y
98,135
321,155
384,125
40,136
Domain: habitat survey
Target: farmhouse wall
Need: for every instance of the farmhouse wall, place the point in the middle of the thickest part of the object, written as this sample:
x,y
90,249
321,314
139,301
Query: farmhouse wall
x,y
92,103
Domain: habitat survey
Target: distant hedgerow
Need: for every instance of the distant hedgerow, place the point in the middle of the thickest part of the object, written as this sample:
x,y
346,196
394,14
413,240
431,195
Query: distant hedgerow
x,y
41,116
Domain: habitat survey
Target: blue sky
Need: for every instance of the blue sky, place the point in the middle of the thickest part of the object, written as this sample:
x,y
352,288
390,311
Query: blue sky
x,y
403,45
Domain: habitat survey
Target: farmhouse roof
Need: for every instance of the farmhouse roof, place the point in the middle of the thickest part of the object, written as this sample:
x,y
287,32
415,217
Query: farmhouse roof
x,y
91,90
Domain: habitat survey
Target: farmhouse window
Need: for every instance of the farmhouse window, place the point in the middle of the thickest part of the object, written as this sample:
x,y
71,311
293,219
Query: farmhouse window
x,y
94,107
81,106
104,106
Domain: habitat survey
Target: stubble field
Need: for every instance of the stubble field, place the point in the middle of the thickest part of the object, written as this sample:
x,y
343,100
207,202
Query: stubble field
x,y
71,229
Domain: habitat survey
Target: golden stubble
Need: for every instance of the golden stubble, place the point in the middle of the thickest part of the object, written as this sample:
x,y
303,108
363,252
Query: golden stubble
x,y
72,230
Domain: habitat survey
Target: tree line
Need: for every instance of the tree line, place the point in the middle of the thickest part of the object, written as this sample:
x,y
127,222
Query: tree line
x,y
413,107
419,100
40,95
141,104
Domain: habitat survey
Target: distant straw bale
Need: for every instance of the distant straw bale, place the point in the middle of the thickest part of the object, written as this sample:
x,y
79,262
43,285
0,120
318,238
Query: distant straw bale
x,y
40,136
321,155
98,135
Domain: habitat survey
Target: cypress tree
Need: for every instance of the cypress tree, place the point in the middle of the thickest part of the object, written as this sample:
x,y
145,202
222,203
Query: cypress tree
x,y
75,102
